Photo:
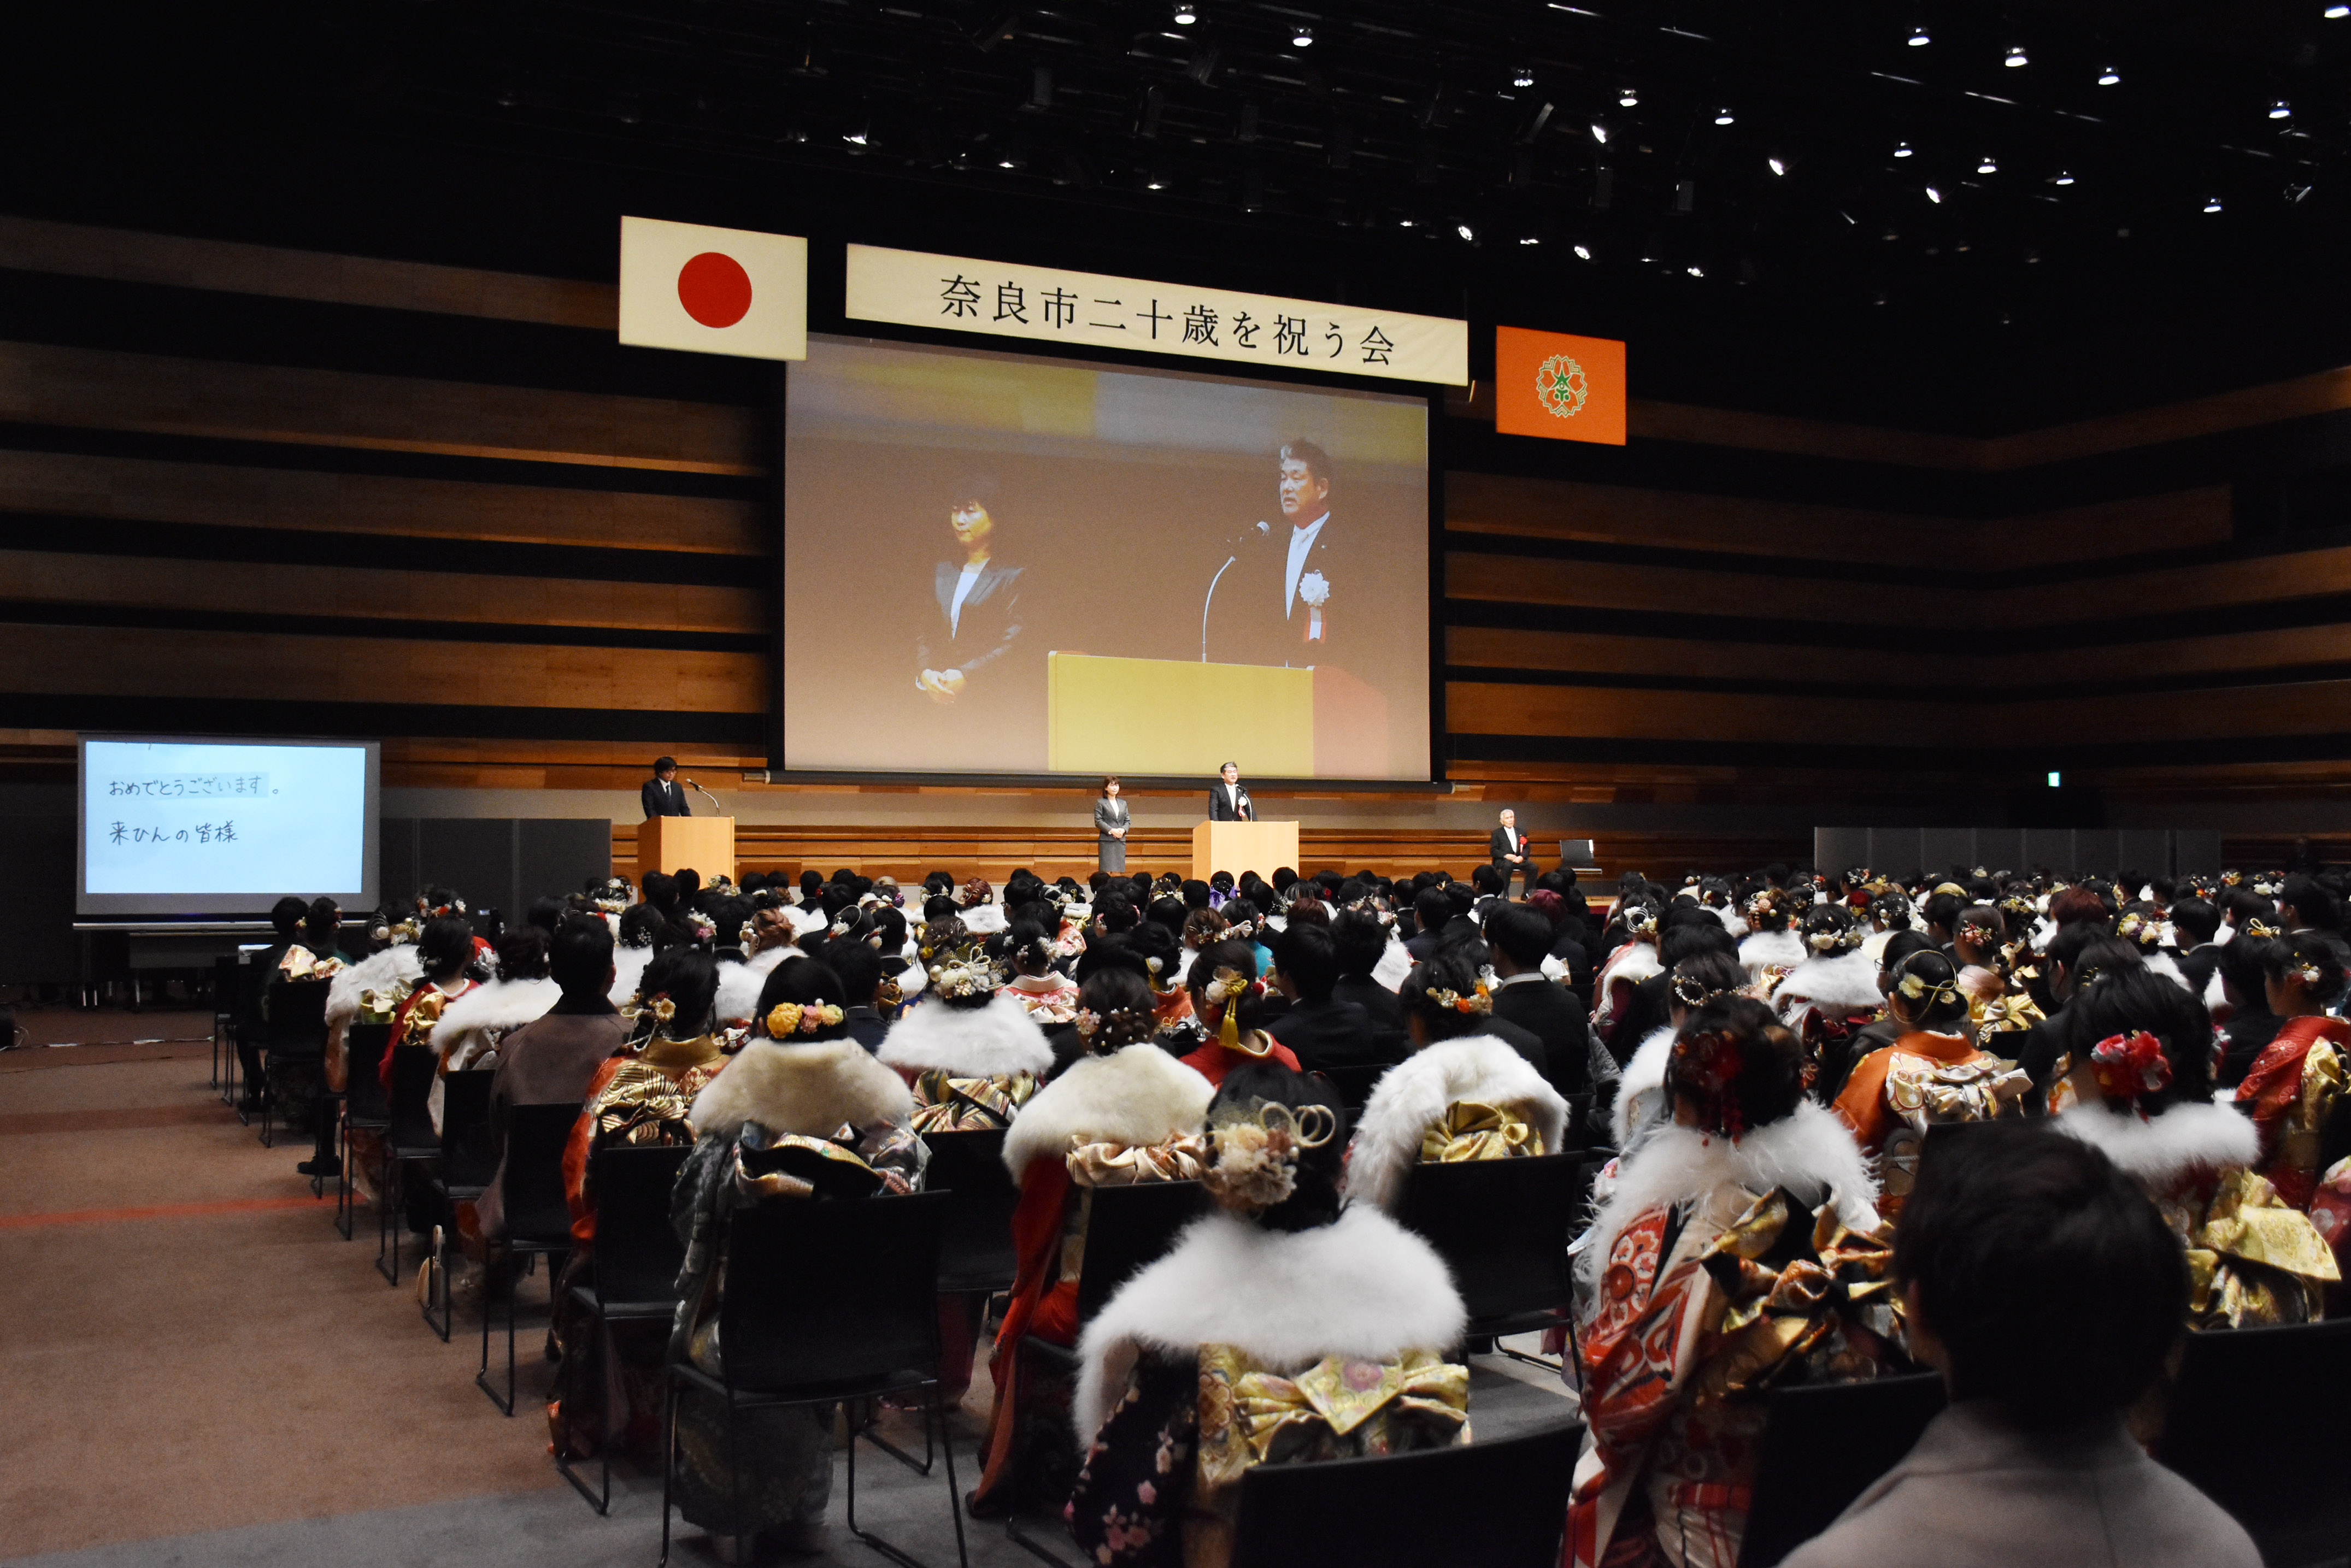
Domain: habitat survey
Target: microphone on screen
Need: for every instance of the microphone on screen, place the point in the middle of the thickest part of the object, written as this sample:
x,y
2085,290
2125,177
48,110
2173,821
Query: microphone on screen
x,y
1254,533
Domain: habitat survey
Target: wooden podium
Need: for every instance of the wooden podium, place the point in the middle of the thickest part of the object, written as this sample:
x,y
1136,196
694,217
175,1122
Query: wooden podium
x,y
1239,847
668,842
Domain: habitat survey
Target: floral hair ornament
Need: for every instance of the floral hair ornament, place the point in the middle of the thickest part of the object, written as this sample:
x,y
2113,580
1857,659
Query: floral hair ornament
x,y
1257,1153
1691,992
702,925
1705,1065
2257,927
1226,989
2129,1067
789,1018
1481,999
1977,936
2308,973
663,1008
1086,1022
1916,988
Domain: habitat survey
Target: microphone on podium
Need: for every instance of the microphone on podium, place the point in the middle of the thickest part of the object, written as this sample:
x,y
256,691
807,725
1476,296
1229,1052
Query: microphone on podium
x,y
705,794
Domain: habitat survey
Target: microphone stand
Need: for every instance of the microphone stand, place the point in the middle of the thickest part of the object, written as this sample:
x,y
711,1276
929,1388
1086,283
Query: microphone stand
x,y
706,796
1209,600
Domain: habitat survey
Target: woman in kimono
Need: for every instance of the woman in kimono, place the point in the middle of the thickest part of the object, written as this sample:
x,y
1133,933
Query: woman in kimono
x,y
1225,1026
1210,1360
1125,1112
1688,1323
770,1129
2139,1088
1046,994
2293,1090
1462,1094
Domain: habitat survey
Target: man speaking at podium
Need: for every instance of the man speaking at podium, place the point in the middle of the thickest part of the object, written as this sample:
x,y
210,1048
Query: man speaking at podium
x,y
1228,801
663,794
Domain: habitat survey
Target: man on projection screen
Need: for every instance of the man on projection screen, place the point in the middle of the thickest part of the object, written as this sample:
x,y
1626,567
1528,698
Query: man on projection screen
x,y
1304,555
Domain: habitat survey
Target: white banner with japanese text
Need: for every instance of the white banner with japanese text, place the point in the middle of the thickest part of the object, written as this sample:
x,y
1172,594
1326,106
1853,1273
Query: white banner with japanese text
x,y
1052,305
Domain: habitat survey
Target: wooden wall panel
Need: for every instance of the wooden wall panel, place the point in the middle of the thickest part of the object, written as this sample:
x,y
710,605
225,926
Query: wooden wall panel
x,y
105,389
1480,708
2173,596
376,594
1871,660
2133,527
1675,590
2192,718
1561,509
299,501
81,250
259,666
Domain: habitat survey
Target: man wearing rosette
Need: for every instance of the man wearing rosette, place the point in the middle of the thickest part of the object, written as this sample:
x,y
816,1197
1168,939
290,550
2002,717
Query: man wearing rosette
x,y
1305,560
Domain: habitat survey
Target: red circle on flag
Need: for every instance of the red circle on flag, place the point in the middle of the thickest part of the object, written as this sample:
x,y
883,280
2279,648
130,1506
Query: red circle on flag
x,y
714,289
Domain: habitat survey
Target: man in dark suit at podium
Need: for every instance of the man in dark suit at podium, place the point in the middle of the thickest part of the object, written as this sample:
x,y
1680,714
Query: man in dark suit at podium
x,y
663,794
1228,801
1512,857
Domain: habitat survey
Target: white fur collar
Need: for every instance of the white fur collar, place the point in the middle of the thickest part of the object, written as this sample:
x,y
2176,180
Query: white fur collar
x,y
1733,922
2157,1151
738,989
1361,1286
628,970
1640,1087
985,919
1395,962
1633,963
1845,983
811,1090
1414,1094
2162,963
394,966
502,1004
2216,996
1809,1152
990,1042
1139,1094
1785,949
806,918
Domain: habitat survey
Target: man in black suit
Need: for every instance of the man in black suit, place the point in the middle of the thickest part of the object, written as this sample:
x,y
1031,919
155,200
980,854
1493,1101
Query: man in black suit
x,y
1512,857
663,794
1519,939
1228,801
1358,941
1319,1030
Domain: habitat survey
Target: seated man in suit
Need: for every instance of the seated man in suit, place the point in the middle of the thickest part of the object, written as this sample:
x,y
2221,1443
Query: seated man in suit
x,y
1513,859
1520,940
1431,909
1357,941
1228,801
663,794
1320,1031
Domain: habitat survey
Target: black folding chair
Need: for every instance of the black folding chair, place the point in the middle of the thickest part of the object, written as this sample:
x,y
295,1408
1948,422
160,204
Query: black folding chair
x,y
223,1014
2256,1422
1578,1136
632,1274
251,977
1824,1445
1479,1505
463,1171
1503,1227
1127,1228
1354,1083
295,1037
537,1216
366,1107
873,1330
409,1140
976,1253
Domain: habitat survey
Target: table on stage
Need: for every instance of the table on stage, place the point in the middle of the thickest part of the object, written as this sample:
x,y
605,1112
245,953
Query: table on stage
x,y
670,843
1239,847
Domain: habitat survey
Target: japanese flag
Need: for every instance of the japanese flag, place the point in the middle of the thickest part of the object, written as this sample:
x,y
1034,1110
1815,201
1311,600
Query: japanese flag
x,y
714,291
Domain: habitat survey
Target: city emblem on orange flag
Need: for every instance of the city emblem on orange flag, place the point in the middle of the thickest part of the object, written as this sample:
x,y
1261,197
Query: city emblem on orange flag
x,y
1560,385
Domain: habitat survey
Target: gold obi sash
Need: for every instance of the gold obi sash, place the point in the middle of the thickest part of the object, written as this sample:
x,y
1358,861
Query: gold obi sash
x,y
1185,1157
2247,1223
1336,1408
1469,1130
946,1103
1776,1313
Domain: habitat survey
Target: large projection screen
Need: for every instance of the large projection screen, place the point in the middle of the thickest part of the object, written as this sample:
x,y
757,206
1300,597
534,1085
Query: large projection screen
x,y
1154,589
181,826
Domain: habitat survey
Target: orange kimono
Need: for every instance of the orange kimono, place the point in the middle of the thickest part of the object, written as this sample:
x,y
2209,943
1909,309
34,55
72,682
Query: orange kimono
x,y
1894,1094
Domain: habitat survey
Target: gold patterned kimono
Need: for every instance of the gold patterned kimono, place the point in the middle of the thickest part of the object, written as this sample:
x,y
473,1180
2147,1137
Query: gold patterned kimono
x,y
2252,1259
947,1102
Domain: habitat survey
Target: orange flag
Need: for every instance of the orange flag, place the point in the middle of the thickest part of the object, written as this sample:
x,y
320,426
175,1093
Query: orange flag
x,y
1556,385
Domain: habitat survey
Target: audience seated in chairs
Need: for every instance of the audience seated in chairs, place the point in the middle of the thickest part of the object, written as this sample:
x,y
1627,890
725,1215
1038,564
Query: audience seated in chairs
x,y
1462,1094
1231,1009
2050,1293
1320,1031
1126,1111
1202,1355
766,1126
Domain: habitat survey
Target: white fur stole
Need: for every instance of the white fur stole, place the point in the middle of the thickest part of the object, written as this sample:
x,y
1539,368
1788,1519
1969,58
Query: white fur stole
x,y
811,1090
2160,1150
1139,1094
1415,1093
991,1042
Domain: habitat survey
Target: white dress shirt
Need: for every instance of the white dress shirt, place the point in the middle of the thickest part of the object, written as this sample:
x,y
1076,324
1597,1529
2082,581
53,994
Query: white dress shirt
x,y
963,591
1302,540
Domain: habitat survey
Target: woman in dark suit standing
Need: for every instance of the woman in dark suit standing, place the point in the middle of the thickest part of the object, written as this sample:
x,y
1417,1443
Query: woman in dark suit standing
x,y
1110,823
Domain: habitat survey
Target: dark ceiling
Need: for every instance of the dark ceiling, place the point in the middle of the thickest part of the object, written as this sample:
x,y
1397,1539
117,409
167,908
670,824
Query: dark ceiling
x,y
2044,250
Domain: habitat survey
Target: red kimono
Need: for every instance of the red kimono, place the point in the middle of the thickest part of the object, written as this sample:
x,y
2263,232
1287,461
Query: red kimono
x,y
2294,1088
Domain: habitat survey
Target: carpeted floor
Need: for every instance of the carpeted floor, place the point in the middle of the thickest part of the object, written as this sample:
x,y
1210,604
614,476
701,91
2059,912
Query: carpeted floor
x,y
201,1371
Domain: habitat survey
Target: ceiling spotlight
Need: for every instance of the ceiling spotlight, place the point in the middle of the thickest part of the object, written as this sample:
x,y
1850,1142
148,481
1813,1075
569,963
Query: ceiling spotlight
x,y
1918,38
2063,177
1722,116
1628,99
2281,109
1901,149
1584,253
1403,223
1155,184
2336,12
1777,165
1933,195
1698,272
1465,232
2211,204
1186,14
1600,133
1528,240
1303,39
1989,166
854,135
2109,76
2015,55
1523,76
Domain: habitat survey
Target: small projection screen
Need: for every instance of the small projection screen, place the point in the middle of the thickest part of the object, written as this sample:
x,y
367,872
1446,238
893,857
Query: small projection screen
x,y
997,563
189,825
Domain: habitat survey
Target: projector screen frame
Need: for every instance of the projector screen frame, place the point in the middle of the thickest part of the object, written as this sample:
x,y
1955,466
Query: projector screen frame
x,y
96,910
828,320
